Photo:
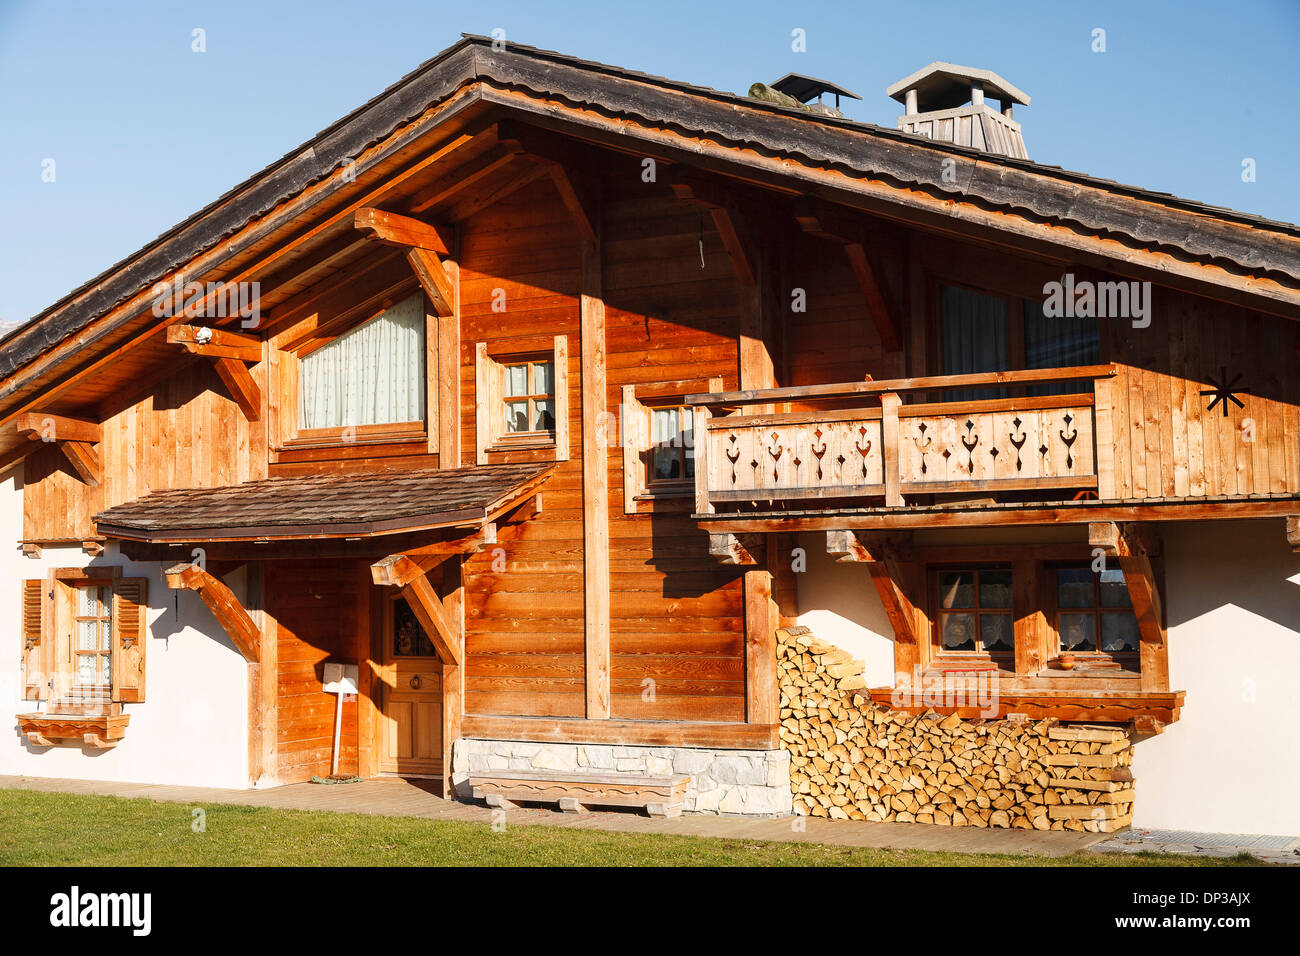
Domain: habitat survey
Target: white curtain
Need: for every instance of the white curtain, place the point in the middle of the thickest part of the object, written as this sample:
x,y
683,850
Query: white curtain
x,y
372,375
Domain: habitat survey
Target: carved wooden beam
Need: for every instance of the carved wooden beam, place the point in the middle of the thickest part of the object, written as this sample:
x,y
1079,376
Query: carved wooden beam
x,y
562,158
437,285
735,549
216,343
820,219
1293,532
225,607
84,460
42,426
409,572
402,231
728,218
239,382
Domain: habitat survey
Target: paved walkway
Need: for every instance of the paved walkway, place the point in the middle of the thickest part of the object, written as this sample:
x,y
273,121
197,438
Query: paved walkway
x,y
417,798
1269,849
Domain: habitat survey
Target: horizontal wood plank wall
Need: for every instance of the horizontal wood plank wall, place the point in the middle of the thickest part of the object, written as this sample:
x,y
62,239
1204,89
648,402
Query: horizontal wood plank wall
x,y
677,617
317,608
187,434
524,598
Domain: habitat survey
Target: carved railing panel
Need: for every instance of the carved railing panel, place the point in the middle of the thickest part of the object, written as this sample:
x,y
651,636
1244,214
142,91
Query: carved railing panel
x,y
795,458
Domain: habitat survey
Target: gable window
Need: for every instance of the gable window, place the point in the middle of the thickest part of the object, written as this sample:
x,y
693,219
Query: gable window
x,y
522,397
974,611
980,332
373,374
1094,614
529,397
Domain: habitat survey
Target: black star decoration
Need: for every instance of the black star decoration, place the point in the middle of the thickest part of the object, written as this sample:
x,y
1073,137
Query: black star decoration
x,y
1224,390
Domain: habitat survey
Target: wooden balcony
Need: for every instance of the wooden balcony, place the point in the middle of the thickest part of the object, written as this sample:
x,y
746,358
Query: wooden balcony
x,y
893,444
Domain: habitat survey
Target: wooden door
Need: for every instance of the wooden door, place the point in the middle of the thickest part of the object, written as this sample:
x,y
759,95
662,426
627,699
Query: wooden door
x,y
410,732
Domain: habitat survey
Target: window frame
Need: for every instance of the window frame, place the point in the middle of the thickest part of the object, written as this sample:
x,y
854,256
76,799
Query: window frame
x,y
491,359
291,442
939,652
532,396
1127,660
640,493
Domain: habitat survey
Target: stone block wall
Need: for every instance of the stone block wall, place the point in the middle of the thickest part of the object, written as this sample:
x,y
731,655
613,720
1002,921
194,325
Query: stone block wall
x,y
852,759
722,781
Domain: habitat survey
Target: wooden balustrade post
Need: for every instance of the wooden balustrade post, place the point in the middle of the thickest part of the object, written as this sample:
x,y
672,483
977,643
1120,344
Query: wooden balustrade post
x,y
700,435
889,403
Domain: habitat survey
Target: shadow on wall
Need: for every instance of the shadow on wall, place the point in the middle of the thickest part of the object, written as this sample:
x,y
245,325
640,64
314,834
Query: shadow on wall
x,y
1244,564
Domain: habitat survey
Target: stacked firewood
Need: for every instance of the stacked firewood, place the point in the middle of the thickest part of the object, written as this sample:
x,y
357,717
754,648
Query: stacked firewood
x,y
851,759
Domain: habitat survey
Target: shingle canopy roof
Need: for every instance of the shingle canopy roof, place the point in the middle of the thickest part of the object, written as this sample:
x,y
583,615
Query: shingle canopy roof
x,y
324,505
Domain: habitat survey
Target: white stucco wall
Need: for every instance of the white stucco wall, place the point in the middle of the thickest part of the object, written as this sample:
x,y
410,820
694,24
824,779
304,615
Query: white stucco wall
x,y
1231,764
192,727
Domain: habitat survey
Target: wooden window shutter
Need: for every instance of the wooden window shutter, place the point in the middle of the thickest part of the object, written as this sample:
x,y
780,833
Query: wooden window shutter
x,y
130,638
561,368
34,616
635,426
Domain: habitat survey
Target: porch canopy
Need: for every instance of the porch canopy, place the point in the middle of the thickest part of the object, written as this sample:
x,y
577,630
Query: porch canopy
x,y
350,506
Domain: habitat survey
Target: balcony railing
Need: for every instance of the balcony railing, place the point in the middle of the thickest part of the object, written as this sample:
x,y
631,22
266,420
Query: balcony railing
x,y
747,451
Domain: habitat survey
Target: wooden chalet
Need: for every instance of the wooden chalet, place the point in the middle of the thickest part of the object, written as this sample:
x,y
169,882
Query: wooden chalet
x,y
545,393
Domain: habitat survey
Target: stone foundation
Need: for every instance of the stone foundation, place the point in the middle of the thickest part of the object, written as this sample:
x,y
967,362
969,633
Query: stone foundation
x,y
722,781
852,759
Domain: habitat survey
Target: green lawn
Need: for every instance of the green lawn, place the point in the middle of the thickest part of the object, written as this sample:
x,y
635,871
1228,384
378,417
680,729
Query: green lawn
x,y
55,829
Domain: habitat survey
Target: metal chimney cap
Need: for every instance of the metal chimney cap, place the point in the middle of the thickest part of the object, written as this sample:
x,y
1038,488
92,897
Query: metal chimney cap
x,y
945,85
804,88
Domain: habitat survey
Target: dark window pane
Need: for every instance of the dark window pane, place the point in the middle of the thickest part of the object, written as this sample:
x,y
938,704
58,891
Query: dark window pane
x,y
690,462
973,338
666,463
544,418
1059,343
996,633
995,589
1114,592
957,589
1119,633
958,632
409,639
1078,632
1074,587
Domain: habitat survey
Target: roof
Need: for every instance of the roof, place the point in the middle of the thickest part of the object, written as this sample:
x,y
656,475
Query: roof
x,y
804,88
944,85
1096,206
325,506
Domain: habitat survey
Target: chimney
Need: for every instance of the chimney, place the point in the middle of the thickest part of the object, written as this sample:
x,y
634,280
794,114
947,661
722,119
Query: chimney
x,y
798,91
947,102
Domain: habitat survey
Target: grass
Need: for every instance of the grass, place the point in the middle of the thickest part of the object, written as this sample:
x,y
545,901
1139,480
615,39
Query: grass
x,y
58,829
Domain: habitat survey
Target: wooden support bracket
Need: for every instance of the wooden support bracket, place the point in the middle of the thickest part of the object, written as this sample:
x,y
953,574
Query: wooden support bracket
x,y
735,549
728,217
821,219
437,285
402,231
409,572
880,555
225,607
562,159
241,386
1133,546
216,343
1293,532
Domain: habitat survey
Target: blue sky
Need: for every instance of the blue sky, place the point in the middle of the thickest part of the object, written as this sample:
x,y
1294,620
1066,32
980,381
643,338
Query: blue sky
x,y
144,131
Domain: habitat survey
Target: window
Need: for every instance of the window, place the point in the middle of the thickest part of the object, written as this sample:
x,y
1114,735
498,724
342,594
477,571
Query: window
x,y
672,445
92,651
974,611
529,397
522,396
1093,612
373,374
409,637
84,638
979,332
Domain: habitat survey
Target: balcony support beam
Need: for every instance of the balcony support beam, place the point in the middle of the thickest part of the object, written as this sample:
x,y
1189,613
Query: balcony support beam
x,y
735,549
1134,546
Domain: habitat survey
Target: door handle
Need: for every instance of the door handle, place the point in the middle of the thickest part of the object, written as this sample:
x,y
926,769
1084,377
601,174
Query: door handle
x,y
416,682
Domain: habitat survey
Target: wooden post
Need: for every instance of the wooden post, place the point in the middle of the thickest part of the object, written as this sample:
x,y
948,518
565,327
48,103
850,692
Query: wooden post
x,y
449,376
762,698
889,403
1030,624
262,686
453,675
368,625
1104,432
595,485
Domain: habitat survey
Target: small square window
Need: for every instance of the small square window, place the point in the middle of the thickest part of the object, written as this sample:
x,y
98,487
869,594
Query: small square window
x,y
529,397
672,444
975,611
1094,613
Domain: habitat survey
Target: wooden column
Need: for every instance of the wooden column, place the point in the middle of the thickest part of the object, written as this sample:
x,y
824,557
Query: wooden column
x,y
595,485
453,675
889,403
262,687
449,377
1030,622
762,698
368,625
